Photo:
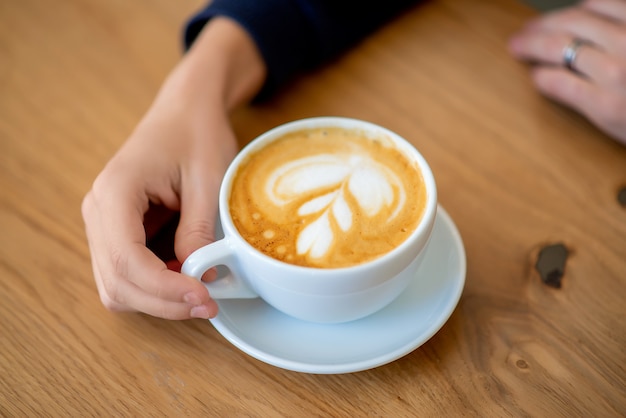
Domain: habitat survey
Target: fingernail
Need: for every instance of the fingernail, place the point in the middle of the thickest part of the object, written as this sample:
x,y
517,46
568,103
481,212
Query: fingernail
x,y
200,312
192,299
174,265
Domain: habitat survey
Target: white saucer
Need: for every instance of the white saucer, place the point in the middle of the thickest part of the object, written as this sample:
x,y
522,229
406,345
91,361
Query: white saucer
x,y
408,322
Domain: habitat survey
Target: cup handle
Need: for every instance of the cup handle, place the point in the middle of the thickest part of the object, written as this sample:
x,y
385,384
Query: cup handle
x,y
231,286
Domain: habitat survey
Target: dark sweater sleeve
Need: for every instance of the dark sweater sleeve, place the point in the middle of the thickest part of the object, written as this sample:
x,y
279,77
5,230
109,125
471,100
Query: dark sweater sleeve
x,y
297,35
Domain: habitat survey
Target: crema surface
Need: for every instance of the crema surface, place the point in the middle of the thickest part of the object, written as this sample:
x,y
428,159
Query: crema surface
x,y
327,198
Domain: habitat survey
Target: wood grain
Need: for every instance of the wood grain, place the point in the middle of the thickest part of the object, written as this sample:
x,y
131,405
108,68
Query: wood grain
x,y
515,171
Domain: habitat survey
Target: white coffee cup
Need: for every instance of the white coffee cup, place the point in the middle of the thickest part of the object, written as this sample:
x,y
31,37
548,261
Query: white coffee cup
x,y
325,295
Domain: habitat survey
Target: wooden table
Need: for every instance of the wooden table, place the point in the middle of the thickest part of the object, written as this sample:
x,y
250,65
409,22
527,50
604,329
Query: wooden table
x,y
515,171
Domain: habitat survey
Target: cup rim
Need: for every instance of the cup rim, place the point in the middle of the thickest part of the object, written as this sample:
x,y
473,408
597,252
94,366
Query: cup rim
x,y
425,224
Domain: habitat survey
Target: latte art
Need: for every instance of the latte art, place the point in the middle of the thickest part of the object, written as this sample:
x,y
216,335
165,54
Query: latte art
x,y
371,186
327,198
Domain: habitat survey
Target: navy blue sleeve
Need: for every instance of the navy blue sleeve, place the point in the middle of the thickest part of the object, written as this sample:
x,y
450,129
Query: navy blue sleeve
x,y
296,35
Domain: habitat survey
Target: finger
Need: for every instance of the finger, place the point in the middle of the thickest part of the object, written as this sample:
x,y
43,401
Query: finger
x,y
121,295
538,46
547,48
587,98
90,225
200,188
123,256
610,9
124,296
197,221
563,86
581,24
200,179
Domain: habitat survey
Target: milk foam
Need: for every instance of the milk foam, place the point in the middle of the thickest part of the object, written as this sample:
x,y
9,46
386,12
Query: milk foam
x,y
372,186
292,179
327,197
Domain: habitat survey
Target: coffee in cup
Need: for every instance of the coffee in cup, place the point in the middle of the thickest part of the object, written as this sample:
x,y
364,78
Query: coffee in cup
x,y
326,219
327,197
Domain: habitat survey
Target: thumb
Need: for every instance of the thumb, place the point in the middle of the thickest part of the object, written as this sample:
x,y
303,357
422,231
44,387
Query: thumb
x,y
200,180
198,212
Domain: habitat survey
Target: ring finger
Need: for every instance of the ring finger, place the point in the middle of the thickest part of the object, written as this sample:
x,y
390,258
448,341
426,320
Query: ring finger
x,y
586,25
548,48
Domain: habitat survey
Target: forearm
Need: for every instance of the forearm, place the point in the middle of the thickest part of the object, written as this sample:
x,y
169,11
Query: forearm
x,y
222,69
297,35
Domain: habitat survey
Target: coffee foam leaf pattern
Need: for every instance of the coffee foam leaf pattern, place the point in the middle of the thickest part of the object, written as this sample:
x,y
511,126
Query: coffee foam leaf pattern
x,y
327,197
370,185
317,238
292,179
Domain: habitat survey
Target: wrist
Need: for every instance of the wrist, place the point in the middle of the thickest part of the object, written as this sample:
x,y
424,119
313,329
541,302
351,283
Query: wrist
x,y
222,68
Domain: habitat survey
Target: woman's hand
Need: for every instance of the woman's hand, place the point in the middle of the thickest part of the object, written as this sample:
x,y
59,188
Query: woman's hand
x,y
166,162
173,161
595,83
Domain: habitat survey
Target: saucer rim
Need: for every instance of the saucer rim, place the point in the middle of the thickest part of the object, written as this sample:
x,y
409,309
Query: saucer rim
x,y
441,316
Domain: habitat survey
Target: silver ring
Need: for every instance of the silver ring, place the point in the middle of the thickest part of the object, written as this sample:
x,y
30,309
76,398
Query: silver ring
x,y
570,52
